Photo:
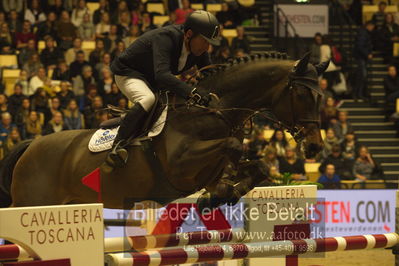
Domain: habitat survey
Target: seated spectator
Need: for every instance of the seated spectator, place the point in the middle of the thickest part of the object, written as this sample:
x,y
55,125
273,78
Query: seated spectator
x,y
270,160
58,7
379,17
26,52
349,146
111,39
97,53
13,139
183,12
134,33
56,124
343,166
330,180
315,48
37,81
241,41
92,113
256,146
123,103
33,128
78,13
47,27
61,72
65,95
14,22
391,85
23,81
386,36
105,86
5,126
120,47
22,116
147,23
22,38
73,119
323,84
67,32
342,126
55,106
33,65
87,30
171,20
279,142
103,8
103,28
81,83
40,102
329,114
3,104
226,17
6,39
364,165
123,28
76,67
105,63
117,14
291,164
70,54
34,13
51,54
329,142
15,100
89,97
136,14
222,55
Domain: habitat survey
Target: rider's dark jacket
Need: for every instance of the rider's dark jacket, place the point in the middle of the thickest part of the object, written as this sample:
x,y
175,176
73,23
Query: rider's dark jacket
x,y
154,58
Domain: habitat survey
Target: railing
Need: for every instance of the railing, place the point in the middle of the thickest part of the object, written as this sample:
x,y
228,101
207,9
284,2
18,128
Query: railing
x,y
283,21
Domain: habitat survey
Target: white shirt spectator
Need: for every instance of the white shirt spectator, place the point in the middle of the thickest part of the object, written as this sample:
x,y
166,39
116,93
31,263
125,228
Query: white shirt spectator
x,y
35,82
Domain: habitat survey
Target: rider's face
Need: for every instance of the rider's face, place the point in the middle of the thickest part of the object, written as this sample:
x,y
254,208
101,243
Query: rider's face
x,y
198,45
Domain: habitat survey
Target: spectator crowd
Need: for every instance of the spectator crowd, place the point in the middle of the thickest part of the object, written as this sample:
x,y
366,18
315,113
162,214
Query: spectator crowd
x,y
65,86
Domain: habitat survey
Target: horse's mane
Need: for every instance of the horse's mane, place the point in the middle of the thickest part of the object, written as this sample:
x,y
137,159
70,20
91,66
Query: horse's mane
x,y
208,73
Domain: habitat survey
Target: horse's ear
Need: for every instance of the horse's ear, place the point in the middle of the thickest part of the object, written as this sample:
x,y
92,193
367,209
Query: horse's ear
x,y
320,68
302,64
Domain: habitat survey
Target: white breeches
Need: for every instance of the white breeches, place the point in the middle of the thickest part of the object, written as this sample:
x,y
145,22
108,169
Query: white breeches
x,y
136,91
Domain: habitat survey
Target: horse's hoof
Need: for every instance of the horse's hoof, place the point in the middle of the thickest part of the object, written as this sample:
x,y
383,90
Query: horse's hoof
x,y
204,202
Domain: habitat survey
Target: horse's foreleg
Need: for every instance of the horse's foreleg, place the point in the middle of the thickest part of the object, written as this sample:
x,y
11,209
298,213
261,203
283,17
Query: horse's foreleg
x,y
239,183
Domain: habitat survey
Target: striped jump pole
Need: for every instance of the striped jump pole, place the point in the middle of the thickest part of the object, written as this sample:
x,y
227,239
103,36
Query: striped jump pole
x,y
251,250
13,252
119,244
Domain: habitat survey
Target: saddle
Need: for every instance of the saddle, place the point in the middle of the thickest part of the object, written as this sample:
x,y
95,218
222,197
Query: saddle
x,y
154,114
103,138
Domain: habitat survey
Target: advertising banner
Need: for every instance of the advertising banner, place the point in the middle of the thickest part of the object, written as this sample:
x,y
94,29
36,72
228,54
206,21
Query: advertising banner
x,y
306,19
355,212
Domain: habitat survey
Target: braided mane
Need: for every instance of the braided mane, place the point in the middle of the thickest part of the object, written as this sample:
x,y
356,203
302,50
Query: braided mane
x,y
241,60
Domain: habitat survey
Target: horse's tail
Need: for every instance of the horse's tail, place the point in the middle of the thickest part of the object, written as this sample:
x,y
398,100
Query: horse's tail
x,y
6,171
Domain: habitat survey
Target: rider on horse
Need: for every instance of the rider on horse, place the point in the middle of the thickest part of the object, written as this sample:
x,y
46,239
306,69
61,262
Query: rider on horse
x,y
151,62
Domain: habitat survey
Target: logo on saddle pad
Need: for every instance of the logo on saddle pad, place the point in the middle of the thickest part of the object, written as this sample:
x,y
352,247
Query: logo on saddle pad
x,y
107,135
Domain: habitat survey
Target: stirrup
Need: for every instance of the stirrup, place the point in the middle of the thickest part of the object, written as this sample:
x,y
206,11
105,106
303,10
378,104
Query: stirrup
x,y
117,158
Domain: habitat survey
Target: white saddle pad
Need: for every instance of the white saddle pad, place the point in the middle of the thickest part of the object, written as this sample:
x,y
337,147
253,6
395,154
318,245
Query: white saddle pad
x,y
103,139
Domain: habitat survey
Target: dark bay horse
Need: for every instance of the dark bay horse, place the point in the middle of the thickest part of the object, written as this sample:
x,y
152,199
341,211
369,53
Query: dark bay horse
x,y
194,148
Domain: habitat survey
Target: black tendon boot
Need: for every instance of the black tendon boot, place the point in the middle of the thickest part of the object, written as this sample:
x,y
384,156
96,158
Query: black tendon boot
x,y
129,127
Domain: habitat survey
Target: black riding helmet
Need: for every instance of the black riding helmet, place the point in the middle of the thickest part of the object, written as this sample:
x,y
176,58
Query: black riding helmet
x,y
204,23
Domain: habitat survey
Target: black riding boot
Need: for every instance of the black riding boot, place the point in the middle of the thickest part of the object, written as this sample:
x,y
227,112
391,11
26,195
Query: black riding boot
x,y
129,128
